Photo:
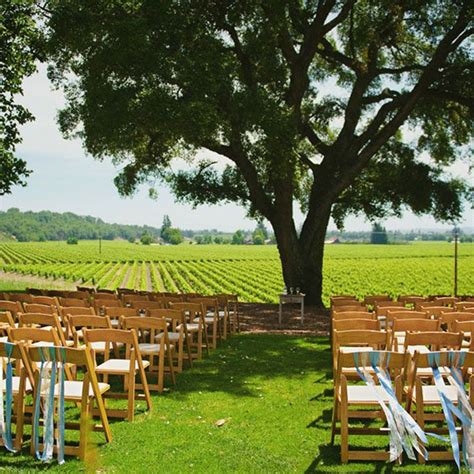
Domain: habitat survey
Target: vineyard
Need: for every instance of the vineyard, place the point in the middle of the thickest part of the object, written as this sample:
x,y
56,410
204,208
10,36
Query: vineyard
x,y
253,272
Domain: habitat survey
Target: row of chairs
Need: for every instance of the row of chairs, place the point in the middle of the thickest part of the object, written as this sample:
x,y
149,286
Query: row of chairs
x,y
134,342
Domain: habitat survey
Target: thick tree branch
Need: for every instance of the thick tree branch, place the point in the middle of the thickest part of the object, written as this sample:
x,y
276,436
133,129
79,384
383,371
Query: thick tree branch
x,y
256,192
429,74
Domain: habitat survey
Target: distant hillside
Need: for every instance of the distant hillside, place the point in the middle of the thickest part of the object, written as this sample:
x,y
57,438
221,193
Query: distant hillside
x,y
47,225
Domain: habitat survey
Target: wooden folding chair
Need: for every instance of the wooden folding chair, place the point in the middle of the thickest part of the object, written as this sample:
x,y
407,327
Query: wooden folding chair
x,y
18,297
78,322
355,324
76,302
400,326
45,321
48,300
350,399
467,328
404,314
464,306
86,392
178,336
411,299
339,315
354,308
21,385
445,300
422,396
116,312
357,340
215,319
448,318
145,305
14,307
436,311
128,368
195,326
34,336
127,299
230,303
39,308
159,346
6,321
374,300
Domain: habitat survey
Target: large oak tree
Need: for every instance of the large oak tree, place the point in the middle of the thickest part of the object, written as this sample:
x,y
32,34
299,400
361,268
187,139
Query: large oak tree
x,y
339,107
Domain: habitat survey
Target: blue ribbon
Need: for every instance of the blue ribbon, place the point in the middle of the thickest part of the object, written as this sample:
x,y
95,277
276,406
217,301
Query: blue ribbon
x,y
49,354
7,433
447,405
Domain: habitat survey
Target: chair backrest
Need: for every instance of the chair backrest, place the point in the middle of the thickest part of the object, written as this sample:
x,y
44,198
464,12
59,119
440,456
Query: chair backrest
x,y
49,300
411,299
126,299
115,312
464,306
419,305
45,320
146,304
111,337
21,297
72,310
373,300
30,334
346,302
436,311
395,314
349,308
154,325
420,325
446,300
189,310
450,317
359,338
174,316
39,308
464,327
383,310
77,302
394,361
355,324
338,315
105,296
14,307
105,290
435,340
7,318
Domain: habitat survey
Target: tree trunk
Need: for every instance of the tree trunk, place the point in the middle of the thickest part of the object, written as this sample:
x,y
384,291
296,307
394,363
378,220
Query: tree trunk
x,y
302,257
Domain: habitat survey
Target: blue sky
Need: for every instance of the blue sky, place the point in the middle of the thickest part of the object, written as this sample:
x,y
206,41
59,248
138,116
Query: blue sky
x,y
66,179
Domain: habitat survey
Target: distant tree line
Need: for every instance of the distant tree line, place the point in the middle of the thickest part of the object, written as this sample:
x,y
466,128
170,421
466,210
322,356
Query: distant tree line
x,y
47,225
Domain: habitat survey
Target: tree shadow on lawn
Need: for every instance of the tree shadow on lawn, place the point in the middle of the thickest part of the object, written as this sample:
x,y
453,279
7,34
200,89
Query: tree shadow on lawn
x,y
238,360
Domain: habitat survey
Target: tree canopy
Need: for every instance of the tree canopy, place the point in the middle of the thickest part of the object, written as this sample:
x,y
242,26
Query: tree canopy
x,y
18,53
341,106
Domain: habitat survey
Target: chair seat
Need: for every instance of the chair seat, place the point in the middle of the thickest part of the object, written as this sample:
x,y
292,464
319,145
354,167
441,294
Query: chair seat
x,y
117,366
349,349
431,397
73,389
210,314
364,395
16,385
209,319
99,346
174,336
427,372
4,339
193,327
148,348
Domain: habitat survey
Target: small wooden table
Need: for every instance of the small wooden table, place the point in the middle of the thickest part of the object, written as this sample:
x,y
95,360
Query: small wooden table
x,y
296,299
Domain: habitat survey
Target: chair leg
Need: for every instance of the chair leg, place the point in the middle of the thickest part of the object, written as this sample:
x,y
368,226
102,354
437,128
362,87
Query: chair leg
x,y
420,419
334,420
214,334
344,433
180,353
84,429
131,395
199,346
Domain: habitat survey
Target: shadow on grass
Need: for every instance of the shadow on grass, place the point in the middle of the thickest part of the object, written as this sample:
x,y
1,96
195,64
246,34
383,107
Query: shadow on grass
x,y
232,366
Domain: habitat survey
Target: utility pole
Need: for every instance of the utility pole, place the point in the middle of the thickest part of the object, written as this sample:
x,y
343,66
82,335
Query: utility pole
x,y
456,235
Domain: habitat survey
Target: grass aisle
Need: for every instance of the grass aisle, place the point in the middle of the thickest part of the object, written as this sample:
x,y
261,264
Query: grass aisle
x,y
274,393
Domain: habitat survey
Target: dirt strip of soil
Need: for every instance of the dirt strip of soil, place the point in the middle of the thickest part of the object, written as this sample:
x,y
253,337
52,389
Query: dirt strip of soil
x,y
258,317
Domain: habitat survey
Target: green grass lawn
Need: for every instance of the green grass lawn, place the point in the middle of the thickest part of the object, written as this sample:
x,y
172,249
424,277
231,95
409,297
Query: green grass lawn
x,y
274,393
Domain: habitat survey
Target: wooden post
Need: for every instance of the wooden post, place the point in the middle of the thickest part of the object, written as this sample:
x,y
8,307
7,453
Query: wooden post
x,y
456,234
